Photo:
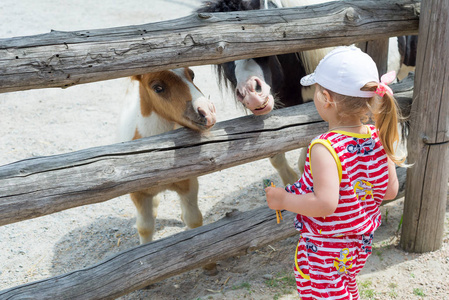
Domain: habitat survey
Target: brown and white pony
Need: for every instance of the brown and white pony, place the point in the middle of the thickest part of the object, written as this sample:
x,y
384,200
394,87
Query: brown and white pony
x,y
160,102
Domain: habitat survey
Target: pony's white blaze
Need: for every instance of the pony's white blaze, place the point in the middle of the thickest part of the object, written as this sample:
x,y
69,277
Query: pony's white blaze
x,y
245,68
156,103
200,103
252,90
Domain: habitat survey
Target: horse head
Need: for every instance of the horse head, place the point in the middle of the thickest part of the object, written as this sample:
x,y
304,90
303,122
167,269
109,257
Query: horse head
x,y
259,83
254,82
174,97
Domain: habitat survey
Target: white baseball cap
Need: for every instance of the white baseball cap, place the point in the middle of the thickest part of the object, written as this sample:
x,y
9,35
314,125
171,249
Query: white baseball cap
x,y
345,70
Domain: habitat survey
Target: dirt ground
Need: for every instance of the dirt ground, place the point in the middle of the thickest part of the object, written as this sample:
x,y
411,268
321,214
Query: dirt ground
x,y
54,121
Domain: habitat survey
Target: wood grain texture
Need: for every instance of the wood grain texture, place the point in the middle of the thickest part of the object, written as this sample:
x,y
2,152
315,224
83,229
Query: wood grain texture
x,y
63,59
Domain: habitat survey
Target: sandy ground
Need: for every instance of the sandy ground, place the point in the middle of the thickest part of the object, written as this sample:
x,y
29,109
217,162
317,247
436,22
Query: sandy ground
x,y
53,121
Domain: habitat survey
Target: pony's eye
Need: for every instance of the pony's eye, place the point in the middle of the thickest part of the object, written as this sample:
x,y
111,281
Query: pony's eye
x,y
158,88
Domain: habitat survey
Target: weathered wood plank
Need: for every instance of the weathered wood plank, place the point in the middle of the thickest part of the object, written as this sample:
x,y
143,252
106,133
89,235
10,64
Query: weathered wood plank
x,y
138,267
63,59
426,194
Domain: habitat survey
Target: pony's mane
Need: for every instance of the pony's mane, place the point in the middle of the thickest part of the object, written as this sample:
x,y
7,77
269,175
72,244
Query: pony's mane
x,y
229,5
222,79
311,58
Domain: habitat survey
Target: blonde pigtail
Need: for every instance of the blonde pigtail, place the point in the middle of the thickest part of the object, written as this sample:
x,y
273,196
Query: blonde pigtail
x,y
386,116
386,121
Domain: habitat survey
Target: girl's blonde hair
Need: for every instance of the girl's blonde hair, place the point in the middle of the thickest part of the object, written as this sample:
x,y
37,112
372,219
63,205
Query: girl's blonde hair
x,y
384,111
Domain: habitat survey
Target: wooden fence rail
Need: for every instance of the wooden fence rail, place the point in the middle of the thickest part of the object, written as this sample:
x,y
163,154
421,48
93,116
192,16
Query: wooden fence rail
x,y
39,186
63,59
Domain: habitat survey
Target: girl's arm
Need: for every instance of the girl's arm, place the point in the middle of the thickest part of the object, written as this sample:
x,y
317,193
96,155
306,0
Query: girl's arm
x,y
324,200
393,183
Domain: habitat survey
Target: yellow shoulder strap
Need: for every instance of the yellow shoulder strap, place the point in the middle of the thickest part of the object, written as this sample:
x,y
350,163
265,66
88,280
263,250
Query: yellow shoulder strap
x,y
326,144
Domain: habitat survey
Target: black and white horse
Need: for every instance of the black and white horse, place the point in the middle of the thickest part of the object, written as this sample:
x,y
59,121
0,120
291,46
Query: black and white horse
x,y
264,83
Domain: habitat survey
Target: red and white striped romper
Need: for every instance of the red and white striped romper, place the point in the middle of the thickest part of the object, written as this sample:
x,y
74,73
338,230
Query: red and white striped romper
x,y
333,249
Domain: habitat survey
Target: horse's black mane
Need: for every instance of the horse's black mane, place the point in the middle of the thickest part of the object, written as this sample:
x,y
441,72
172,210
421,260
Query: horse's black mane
x,y
229,5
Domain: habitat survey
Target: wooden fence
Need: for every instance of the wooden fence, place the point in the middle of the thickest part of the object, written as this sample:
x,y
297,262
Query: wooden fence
x,y
237,233
65,59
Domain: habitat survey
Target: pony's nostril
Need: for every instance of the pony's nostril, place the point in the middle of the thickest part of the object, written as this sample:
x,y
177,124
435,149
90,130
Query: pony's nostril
x,y
201,112
206,120
258,87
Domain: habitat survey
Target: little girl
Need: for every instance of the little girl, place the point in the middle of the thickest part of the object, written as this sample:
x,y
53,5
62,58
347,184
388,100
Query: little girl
x,y
349,170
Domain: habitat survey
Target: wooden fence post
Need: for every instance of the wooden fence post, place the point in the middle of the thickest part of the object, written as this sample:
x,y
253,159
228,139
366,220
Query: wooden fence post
x,y
428,144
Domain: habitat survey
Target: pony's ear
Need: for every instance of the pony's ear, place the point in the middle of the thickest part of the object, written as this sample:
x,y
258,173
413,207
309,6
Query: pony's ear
x,y
136,77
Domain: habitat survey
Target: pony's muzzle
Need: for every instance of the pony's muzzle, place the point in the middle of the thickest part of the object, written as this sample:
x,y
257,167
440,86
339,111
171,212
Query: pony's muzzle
x,y
255,95
207,114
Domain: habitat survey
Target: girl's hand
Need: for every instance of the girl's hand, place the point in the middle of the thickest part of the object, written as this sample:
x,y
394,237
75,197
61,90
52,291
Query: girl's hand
x,y
275,197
